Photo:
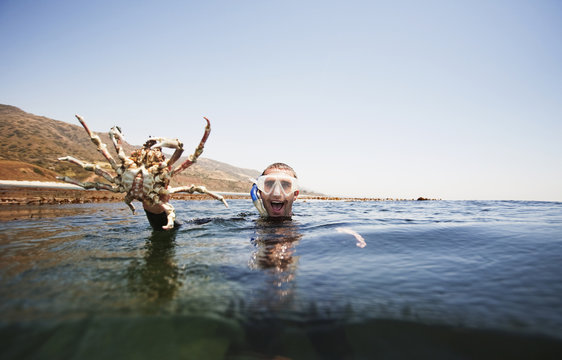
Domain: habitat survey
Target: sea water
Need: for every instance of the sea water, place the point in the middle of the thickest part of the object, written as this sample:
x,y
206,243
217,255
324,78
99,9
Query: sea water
x,y
397,279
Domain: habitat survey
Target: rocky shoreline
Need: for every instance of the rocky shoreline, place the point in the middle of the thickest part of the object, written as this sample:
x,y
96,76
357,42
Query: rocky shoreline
x,y
46,196
50,196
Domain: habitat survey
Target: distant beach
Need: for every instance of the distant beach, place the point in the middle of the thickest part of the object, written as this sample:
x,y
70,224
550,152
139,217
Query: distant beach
x,y
45,193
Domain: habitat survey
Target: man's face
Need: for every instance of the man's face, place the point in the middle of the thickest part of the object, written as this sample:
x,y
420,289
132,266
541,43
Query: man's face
x,y
277,203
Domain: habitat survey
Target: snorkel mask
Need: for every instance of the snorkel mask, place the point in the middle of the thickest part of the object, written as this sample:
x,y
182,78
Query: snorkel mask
x,y
272,183
277,182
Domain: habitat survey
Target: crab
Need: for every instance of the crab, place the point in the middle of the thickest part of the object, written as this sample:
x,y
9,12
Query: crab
x,y
144,175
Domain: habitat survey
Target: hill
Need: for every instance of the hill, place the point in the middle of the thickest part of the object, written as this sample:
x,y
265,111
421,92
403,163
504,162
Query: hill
x,y
30,146
21,171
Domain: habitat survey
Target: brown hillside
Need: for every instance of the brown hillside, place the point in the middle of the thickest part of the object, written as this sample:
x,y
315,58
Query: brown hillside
x,y
40,141
18,170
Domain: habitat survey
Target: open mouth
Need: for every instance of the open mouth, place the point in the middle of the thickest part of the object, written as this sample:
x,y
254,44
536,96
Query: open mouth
x,y
277,206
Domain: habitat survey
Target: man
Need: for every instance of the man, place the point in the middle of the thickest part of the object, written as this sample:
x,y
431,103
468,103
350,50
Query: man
x,y
275,191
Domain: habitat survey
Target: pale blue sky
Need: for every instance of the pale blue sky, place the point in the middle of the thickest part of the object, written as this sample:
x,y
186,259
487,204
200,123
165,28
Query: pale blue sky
x,y
447,99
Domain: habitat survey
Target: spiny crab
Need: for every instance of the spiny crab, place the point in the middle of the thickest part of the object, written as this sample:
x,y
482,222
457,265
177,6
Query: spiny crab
x,y
144,175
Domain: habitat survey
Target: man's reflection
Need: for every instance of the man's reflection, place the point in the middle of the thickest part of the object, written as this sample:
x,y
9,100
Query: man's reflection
x,y
158,276
275,243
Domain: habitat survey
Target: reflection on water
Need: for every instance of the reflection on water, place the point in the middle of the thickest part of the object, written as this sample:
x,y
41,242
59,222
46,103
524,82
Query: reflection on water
x,y
156,277
275,243
33,212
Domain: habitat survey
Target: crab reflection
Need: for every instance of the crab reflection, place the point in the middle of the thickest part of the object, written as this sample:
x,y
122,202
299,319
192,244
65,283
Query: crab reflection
x,y
275,243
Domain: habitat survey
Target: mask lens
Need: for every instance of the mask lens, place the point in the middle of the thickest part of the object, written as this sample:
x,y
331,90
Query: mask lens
x,y
268,183
286,185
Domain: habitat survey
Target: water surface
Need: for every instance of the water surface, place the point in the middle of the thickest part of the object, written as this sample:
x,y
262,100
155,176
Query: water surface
x,y
436,279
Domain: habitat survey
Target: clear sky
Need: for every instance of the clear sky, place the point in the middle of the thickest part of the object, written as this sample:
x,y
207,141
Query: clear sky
x,y
444,99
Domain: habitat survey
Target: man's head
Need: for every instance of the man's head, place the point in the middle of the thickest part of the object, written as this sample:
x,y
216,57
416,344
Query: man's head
x,y
278,189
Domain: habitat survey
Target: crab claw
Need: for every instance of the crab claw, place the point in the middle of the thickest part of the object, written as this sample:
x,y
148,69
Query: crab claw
x,y
193,157
116,132
167,143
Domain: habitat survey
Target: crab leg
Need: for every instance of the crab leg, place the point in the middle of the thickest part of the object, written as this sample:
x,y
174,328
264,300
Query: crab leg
x,y
200,189
91,167
116,137
193,157
170,215
102,148
129,201
88,184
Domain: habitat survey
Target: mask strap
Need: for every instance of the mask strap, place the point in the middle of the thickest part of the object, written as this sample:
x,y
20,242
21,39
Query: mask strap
x,y
258,203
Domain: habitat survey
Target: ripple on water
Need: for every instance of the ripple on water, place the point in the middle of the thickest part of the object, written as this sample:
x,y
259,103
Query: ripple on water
x,y
426,266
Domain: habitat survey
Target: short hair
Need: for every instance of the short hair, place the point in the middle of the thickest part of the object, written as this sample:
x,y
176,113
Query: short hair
x,y
280,166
